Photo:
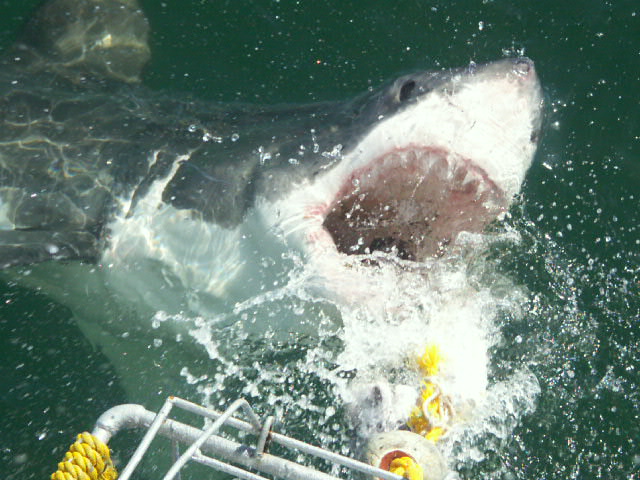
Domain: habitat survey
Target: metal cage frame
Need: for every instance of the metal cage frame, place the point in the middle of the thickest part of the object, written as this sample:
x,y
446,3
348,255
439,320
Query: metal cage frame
x,y
231,457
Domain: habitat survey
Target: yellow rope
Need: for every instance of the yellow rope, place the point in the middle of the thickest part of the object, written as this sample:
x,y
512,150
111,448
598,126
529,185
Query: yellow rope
x,y
432,413
88,458
406,467
430,361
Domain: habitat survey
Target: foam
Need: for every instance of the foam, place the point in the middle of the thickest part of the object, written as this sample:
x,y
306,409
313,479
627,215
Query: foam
x,y
321,367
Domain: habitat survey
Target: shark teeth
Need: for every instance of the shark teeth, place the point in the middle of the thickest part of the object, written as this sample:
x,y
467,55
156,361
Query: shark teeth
x,y
411,202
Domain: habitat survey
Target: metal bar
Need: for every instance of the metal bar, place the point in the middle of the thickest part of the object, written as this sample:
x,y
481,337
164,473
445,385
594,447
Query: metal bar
x,y
120,417
264,435
212,414
136,416
175,454
333,457
293,443
195,446
241,454
226,468
162,415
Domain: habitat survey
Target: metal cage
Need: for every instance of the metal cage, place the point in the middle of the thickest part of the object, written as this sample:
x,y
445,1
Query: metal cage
x,y
208,447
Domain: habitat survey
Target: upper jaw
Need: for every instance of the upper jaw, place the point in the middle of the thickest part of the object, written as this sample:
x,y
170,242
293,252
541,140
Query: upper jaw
x,y
450,161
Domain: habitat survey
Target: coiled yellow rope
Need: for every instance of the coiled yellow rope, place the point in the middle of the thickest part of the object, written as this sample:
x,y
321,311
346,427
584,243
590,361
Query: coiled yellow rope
x,y
406,467
88,458
431,415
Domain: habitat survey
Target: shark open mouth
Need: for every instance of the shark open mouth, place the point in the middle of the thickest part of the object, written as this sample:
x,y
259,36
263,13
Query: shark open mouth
x,y
412,202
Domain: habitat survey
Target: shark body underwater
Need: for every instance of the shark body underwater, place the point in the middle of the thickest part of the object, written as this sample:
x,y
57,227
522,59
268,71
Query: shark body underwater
x,y
111,194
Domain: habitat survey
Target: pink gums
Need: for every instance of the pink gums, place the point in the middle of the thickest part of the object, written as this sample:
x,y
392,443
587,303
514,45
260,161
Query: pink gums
x,y
412,202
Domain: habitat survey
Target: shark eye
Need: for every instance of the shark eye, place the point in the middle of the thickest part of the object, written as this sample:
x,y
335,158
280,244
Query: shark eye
x,y
406,89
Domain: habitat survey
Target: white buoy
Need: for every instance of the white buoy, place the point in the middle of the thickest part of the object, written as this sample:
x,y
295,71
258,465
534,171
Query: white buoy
x,y
383,448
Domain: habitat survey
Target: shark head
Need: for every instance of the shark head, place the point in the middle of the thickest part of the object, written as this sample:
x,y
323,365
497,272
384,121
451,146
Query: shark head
x,y
400,170
142,205
443,152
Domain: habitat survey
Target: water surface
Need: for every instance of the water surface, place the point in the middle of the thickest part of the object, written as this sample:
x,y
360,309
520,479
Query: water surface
x,y
576,259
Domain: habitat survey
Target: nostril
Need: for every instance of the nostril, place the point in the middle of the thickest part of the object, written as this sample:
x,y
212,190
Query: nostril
x,y
535,136
523,66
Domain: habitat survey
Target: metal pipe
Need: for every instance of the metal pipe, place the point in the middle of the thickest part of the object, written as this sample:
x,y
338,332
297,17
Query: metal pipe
x,y
135,416
204,436
292,443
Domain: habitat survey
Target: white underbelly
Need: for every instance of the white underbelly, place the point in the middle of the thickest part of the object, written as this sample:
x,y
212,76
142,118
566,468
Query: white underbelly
x,y
174,262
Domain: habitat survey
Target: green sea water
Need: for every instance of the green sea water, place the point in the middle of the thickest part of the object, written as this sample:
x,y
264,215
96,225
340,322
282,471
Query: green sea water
x,y
578,217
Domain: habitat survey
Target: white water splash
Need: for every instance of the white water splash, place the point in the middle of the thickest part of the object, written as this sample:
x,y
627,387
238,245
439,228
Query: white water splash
x,y
322,370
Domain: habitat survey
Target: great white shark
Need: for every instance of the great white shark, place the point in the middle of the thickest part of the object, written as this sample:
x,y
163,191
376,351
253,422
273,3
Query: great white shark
x,y
121,202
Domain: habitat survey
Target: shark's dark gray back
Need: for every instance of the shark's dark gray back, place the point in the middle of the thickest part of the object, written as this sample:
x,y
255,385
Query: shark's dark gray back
x,y
79,138
75,136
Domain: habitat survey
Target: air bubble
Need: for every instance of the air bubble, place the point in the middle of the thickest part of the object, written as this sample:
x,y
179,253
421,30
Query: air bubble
x,y
264,156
